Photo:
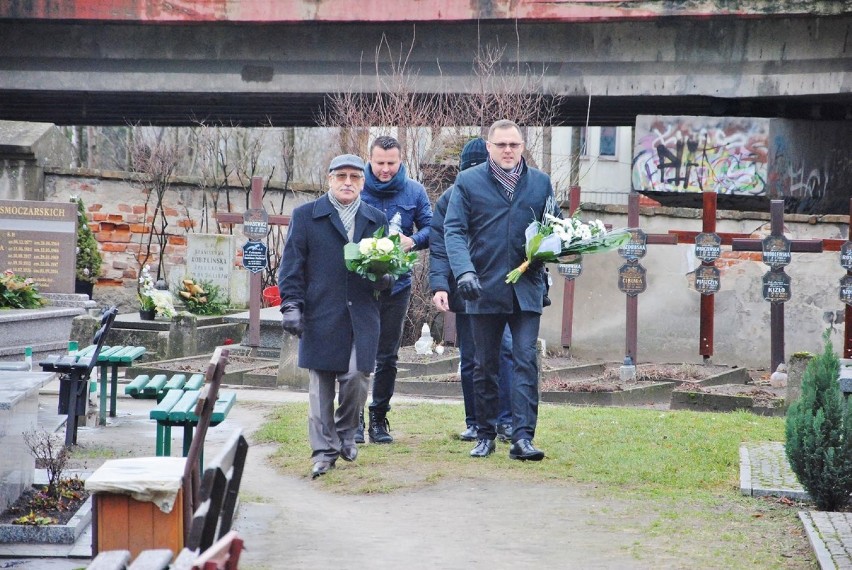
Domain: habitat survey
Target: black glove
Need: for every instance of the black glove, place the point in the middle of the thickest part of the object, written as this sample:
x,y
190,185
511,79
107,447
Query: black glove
x,y
468,286
545,301
536,265
292,321
386,281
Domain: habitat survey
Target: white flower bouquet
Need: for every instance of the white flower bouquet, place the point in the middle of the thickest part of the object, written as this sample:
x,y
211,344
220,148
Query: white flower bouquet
x,y
151,298
377,256
554,238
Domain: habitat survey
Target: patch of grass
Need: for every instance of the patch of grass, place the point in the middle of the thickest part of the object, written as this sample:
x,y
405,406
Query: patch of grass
x,y
675,474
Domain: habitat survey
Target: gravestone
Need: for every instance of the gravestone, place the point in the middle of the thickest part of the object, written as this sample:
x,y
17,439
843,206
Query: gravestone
x,y
39,240
211,257
18,414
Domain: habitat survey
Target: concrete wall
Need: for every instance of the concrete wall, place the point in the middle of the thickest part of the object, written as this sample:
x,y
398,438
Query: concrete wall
x,y
26,149
668,329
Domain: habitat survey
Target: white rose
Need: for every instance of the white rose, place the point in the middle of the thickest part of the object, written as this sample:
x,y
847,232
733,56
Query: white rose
x,y
384,245
365,246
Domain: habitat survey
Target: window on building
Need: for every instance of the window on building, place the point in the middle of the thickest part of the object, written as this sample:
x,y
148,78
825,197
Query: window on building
x,y
608,140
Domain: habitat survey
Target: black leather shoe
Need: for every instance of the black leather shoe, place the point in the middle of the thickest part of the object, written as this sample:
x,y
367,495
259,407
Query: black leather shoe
x,y
321,468
504,432
484,448
349,452
523,449
469,434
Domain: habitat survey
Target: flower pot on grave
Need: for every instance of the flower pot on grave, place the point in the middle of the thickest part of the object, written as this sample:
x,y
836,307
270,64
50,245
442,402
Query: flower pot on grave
x,y
147,314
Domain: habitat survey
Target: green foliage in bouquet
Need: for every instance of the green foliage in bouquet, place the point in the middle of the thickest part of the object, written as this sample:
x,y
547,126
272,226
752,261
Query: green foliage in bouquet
x,y
376,256
818,430
17,292
88,257
202,298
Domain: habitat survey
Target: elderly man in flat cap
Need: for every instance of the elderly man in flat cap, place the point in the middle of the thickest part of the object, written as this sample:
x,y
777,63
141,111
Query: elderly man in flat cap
x,y
333,311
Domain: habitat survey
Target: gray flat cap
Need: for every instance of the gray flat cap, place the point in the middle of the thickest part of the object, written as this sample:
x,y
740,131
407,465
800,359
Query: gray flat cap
x,y
343,160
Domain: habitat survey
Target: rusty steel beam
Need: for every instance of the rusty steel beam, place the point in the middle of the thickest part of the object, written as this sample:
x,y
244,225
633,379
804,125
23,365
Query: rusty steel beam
x,y
265,11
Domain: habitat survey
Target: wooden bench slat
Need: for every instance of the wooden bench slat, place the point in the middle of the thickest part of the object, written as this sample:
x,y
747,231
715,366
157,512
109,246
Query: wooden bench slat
x,y
90,349
127,354
136,385
176,382
156,559
195,382
221,407
110,560
180,412
164,408
155,385
106,351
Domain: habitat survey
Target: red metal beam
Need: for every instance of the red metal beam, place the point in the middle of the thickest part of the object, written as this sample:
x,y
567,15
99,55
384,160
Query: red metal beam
x,y
266,11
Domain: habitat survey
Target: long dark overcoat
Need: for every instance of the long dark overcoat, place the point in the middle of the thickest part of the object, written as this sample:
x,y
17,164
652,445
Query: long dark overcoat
x,y
484,232
337,304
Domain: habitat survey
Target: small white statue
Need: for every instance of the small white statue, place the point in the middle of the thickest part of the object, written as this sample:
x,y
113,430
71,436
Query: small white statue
x,y
424,343
779,377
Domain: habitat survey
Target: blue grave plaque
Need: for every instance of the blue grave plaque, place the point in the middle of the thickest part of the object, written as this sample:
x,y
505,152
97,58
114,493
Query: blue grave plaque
x,y
254,256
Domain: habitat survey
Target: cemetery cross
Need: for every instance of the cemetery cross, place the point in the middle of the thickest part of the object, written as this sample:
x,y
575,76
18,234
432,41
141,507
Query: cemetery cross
x,y
256,210
776,249
635,268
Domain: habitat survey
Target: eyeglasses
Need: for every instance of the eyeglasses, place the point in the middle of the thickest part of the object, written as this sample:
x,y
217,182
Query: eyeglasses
x,y
502,146
343,176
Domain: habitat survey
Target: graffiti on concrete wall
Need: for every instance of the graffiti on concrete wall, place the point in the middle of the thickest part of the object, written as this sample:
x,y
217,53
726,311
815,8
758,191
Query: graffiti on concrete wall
x,y
727,155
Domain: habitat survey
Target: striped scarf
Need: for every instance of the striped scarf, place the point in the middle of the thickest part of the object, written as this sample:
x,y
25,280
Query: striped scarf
x,y
509,180
347,213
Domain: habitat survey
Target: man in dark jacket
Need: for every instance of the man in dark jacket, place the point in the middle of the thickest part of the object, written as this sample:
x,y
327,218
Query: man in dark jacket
x,y
333,311
490,209
446,298
406,205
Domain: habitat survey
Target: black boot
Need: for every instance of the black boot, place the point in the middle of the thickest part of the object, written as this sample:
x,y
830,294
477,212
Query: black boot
x,y
379,427
359,431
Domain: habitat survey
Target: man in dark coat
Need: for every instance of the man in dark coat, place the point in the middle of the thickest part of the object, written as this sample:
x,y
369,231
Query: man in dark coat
x,y
334,311
446,298
490,209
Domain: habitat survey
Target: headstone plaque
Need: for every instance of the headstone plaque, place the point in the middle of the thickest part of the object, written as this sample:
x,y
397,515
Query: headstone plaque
x,y
254,256
776,251
210,257
571,269
255,223
708,247
846,289
636,247
39,240
846,256
707,280
631,279
776,286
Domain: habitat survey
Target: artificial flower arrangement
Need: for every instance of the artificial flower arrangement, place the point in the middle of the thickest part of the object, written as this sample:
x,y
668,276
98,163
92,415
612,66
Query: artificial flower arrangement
x,y
151,298
202,298
377,256
552,239
17,292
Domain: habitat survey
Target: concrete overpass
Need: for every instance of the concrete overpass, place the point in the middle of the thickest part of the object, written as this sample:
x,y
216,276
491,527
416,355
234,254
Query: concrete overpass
x,y
256,61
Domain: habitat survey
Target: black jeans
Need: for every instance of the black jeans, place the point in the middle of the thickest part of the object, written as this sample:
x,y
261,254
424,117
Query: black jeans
x,y
392,317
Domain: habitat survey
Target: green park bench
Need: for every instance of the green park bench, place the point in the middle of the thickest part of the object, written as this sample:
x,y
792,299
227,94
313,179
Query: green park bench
x,y
110,359
177,409
157,386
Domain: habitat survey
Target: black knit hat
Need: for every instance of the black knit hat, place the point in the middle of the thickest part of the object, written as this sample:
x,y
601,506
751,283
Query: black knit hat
x,y
473,153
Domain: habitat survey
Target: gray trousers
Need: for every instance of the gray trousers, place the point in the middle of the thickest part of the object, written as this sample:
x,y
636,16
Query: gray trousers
x,y
329,429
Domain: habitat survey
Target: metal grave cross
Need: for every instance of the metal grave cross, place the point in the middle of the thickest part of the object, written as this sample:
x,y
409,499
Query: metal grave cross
x,y
776,284
255,222
631,275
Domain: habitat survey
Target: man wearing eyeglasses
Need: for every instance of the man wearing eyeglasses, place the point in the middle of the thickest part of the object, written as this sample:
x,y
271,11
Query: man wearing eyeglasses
x,y
333,311
492,205
404,201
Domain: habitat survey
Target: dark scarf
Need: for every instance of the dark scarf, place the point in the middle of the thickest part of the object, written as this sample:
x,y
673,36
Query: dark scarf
x,y
508,180
384,189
